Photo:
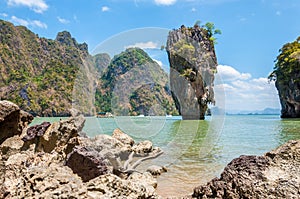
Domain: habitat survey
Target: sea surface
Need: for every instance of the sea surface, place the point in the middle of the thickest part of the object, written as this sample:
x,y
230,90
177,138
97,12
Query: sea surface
x,y
197,151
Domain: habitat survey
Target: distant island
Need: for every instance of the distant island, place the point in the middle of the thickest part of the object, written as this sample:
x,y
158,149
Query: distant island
x,y
266,111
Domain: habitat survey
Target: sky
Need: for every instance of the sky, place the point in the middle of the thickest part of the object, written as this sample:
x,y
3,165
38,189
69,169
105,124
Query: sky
x,y
252,33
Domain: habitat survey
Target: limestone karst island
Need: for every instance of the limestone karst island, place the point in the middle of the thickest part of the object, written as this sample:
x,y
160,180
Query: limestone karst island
x,y
94,106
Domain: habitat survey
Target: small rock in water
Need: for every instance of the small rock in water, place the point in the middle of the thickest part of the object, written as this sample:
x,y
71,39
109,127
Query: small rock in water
x,y
122,137
156,170
143,147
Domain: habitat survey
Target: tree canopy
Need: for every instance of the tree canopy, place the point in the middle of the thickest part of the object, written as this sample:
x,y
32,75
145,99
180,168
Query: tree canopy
x,y
287,62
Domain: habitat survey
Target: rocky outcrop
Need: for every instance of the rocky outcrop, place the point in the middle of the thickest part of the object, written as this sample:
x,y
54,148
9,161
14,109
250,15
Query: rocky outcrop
x,y
289,95
88,163
193,63
156,170
53,161
122,137
274,175
12,120
36,131
286,75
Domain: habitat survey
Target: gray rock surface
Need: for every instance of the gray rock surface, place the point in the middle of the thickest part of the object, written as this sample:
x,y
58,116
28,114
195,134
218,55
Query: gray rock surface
x,y
36,131
274,175
289,95
61,136
111,186
88,163
143,147
122,137
55,162
156,170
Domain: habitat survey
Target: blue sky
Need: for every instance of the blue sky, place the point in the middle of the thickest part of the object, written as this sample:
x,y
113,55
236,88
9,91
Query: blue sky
x,y
252,31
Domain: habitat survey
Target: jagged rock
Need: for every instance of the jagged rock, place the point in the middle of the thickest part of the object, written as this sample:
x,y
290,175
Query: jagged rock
x,y
145,179
36,131
11,146
35,164
122,137
289,95
143,147
61,136
111,186
29,175
274,175
156,170
88,163
12,120
102,61
193,63
107,146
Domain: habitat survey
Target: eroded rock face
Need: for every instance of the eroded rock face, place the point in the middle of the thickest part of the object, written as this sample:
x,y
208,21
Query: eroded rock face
x,y
289,95
193,64
274,175
12,120
53,161
122,137
111,186
88,163
61,136
36,131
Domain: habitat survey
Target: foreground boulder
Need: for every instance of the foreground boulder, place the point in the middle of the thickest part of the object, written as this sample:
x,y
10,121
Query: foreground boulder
x,y
53,161
274,175
12,120
88,163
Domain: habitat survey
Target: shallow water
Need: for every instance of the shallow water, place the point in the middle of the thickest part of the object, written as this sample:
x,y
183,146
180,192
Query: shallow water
x,y
197,151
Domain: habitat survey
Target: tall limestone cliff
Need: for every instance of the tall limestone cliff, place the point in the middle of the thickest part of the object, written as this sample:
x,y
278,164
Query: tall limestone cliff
x,y
193,63
286,75
37,73
50,77
134,84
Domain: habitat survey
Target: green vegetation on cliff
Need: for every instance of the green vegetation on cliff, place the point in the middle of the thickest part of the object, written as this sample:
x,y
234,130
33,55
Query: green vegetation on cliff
x,y
124,86
37,73
287,63
286,75
48,77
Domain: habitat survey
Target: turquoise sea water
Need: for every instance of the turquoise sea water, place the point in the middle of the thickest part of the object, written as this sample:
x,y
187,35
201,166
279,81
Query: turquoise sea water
x,y
197,151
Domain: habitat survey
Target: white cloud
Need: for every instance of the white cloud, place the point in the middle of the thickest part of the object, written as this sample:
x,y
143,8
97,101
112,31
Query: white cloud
x,y
27,23
245,93
38,6
38,23
193,9
144,45
165,2
19,21
159,62
229,73
105,9
3,14
62,20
